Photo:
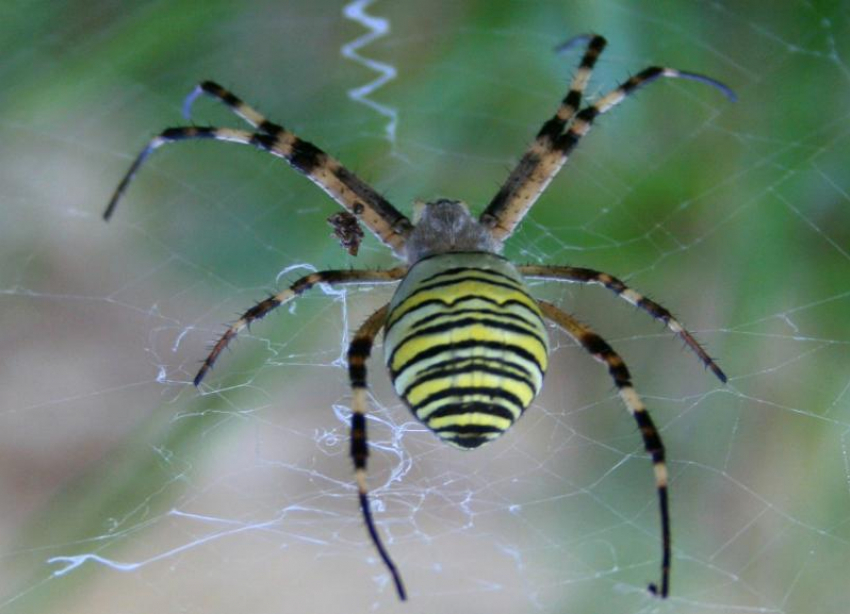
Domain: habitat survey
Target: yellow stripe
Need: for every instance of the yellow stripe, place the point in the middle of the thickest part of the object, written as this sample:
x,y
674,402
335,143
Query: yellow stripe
x,y
407,350
410,375
462,289
476,379
474,272
477,419
422,412
476,307
448,317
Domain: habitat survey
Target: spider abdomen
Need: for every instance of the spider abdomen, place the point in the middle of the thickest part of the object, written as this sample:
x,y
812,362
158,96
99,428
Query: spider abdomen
x,y
465,345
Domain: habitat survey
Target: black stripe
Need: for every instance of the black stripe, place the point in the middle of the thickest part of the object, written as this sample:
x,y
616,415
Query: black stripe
x,y
456,312
462,407
597,346
470,428
360,349
467,443
448,326
467,323
594,48
573,99
320,277
452,369
306,157
654,309
270,128
480,361
261,309
471,297
193,132
436,350
263,141
621,375
588,114
459,280
359,450
357,375
570,139
651,438
211,87
464,269
567,142
642,78
614,284
551,130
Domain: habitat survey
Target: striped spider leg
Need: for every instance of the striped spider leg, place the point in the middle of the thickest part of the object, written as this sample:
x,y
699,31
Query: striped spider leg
x,y
358,353
590,276
552,146
261,309
600,350
239,108
389,225
345,224
597,347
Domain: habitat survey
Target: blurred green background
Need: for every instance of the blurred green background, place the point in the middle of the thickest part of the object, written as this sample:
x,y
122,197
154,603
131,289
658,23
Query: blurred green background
x,y
123,489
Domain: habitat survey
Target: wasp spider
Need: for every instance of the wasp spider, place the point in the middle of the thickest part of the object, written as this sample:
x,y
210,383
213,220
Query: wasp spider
x,y
465,343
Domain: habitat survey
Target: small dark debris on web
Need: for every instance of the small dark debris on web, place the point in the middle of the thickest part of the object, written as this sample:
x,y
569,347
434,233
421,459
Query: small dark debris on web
x,y
347,230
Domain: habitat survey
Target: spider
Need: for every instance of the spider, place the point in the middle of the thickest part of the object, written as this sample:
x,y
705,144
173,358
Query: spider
x,y
465,343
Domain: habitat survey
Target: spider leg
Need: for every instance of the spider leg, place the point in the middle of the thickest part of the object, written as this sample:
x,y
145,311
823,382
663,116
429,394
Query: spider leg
x,y
358,354
550,150
261,309
601,351
231,101
389,225
534,171
590,276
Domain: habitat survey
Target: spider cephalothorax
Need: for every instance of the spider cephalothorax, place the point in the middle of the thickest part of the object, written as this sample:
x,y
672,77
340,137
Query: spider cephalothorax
x,y
447,226
465,342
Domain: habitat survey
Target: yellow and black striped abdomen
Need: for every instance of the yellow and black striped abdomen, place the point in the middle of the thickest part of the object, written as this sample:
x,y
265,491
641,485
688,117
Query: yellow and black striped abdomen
x,y
465,345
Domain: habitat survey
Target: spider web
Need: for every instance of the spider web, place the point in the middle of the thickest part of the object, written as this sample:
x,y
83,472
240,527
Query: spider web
x,y
126,490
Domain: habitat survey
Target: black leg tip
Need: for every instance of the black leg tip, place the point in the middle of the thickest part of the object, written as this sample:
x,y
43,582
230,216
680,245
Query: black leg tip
x,y
719,373
199,377
653,590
